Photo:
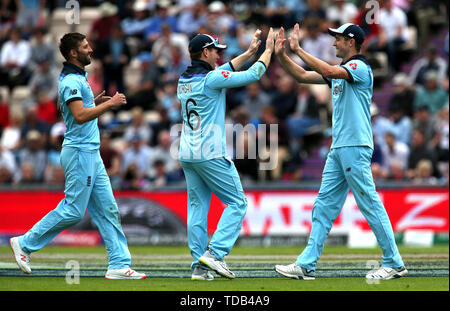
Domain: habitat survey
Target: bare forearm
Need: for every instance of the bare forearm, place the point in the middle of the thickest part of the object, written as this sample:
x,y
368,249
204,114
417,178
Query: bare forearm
x,y
292,68
298,73
265,57
315,64
89,114
240,60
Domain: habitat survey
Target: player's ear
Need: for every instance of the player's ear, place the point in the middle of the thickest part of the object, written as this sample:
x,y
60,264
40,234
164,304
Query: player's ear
x,y
73,53
352,42
205,52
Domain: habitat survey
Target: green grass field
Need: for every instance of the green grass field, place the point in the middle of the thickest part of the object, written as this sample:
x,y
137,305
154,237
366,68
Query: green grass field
x,y
247,284
339,269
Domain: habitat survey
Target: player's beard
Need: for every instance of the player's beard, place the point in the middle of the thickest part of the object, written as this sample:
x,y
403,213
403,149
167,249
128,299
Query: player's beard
x,y
84,59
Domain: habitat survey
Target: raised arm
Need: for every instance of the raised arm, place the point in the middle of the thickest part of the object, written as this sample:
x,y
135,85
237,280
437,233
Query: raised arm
x,y
240,60
222,78
324,69
296,71
270,46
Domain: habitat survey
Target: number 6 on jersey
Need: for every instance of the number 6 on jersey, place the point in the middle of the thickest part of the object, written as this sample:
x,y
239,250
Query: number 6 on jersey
x,y
192,112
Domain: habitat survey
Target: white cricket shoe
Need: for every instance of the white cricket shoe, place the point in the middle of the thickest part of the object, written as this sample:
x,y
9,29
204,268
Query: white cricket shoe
x,y
295,272
22,258
201,274
385,273
209,260
124,274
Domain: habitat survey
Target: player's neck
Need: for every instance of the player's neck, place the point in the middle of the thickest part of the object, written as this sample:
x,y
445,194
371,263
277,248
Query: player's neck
x,y
77,63
349,55
206,60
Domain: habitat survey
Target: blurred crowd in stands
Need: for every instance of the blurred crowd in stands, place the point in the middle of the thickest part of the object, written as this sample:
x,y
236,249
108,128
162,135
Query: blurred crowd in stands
x,y
140,49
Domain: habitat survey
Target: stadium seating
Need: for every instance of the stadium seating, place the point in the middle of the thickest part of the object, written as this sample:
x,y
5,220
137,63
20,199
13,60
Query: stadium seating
x,y
19,95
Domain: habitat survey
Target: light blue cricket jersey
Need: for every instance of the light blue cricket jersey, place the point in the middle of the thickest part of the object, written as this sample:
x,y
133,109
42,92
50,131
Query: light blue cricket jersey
x,y
351,101
73,85
201,91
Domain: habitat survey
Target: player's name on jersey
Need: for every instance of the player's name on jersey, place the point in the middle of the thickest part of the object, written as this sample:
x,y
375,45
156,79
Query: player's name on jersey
x,y
184,88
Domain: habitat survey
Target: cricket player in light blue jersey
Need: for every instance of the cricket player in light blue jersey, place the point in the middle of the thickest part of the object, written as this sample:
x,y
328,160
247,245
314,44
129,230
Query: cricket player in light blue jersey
x,y
348,163
87,184
207,168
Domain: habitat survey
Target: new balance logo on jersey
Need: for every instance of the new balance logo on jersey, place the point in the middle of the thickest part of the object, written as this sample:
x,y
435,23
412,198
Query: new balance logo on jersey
x,y
88,181
337,89
73,92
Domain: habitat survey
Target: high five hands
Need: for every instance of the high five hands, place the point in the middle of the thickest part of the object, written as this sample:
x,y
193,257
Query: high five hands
x,y
256,41
293,41
270,43
254,45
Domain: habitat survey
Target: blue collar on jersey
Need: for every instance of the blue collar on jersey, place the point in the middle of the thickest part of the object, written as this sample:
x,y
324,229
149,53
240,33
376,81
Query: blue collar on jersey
x,y
200,67
357,56
71,68
197,67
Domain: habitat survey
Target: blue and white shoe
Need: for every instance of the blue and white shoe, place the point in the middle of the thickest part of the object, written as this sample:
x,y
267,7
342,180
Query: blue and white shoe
x,y
385,273
209,260
295,272
201,274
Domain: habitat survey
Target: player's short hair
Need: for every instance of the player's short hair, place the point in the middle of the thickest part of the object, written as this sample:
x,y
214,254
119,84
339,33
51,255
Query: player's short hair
x,y
70,41
198,55
195,55
357,45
